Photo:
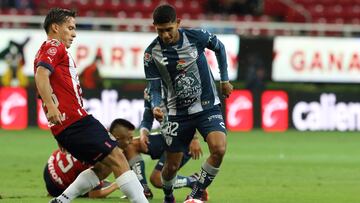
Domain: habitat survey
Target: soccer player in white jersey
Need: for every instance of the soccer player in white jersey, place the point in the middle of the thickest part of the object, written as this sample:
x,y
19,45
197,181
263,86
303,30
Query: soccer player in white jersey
x,y
80,134
175,61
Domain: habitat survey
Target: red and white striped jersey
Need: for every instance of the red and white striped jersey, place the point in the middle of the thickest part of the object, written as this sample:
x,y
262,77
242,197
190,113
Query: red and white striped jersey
x,y
64,168
64,81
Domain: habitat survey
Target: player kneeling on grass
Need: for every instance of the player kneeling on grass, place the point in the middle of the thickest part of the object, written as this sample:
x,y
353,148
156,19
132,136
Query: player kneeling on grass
x,y
62,168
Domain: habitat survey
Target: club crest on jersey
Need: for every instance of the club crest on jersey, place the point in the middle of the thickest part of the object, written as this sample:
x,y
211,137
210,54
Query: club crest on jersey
x,y
168,140
180,64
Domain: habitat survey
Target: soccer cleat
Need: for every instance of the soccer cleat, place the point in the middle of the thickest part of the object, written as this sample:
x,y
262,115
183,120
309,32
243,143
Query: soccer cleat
x,y
169,199
205,195
193,178
148,194
54,200
189,200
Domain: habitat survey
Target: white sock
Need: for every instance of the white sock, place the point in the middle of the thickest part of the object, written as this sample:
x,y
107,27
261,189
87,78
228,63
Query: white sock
x,y
86,181
131,187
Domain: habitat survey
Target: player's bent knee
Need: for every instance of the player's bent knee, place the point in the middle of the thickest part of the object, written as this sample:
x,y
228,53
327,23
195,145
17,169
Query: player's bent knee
x,y
172,167
155,179
116,161
218,151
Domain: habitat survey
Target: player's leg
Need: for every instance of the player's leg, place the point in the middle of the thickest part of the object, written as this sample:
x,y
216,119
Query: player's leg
x,y
168,174
177,133
212,128
185,181
137,164
124,177
181,181
87,140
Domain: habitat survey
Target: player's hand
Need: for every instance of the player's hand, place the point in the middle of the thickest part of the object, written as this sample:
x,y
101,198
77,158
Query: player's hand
x,y
158,114
195,149
226,88
53,115
144,139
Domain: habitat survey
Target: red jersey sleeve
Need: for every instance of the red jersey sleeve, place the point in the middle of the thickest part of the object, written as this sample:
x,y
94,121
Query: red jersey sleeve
x,y
51,54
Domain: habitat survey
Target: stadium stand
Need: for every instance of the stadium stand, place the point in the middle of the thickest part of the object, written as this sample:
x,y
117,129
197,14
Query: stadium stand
x,y
250,17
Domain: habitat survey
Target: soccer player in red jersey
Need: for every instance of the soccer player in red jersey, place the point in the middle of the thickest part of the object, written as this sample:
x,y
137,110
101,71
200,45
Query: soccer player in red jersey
x,y
62,169
80,134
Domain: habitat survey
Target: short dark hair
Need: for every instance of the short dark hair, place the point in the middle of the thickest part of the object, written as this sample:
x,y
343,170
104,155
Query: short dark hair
x,y
57,15
164,14
122,122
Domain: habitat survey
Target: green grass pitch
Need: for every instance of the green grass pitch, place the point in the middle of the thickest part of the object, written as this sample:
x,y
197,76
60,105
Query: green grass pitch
x,y
290,167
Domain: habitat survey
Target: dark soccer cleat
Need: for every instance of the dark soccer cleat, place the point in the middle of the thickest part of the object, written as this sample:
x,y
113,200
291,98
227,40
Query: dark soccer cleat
x,y
147,192
54,200
193,178
205,195
189,199
169,199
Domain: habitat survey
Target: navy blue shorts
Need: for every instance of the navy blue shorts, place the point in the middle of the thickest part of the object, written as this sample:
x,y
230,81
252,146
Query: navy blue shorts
x,y
51,187
157,147
181,129
87,140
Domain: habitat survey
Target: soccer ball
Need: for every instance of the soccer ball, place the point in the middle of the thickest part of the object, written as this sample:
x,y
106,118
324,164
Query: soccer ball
x,y
193,201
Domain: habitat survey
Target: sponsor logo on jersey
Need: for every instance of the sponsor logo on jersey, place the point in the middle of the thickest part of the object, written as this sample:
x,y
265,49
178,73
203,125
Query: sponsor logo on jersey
x,y
194,53
274,110
51,51
187,89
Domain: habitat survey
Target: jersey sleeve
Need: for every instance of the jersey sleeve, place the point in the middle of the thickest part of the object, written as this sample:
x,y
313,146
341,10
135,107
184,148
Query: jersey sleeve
x,y
51,55
148,117
210,41
151,71
152,74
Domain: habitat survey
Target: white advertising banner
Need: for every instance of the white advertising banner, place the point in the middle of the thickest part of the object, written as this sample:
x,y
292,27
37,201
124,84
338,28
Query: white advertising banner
x,y
121,52
328,113
306,59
